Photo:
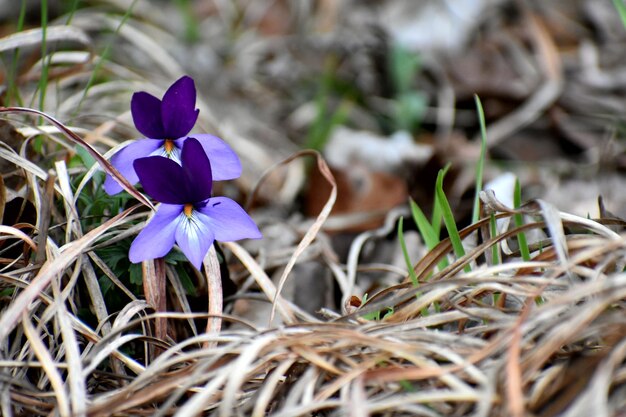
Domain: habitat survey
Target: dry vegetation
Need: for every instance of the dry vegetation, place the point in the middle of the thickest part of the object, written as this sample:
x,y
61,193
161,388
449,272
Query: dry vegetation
x,y
321,317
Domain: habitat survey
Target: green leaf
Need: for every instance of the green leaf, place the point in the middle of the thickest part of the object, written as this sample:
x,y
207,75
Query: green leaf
x,y
404,65
410,108
7,292
406,385
136,274
186,281
174,257
85,157
105,284
112,255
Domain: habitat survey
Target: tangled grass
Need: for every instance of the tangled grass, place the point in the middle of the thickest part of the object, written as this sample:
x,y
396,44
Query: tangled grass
x,y
489,331
490,334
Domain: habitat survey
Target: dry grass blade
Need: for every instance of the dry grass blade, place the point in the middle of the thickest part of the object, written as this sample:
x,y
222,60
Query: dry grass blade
x,y
594,400
48,364
76,382
514,386
315,227
106,165
50,270
263,281
12,231
270,385
32,37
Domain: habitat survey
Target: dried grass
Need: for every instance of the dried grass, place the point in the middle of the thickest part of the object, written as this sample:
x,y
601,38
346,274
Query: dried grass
x,y
544,337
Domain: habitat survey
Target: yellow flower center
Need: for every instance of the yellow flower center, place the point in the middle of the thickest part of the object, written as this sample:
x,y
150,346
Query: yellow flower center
x,y
169,146
188,210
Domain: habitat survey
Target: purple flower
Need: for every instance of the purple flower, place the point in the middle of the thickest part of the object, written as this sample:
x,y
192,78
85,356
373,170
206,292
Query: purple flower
x,y
165,124
187,215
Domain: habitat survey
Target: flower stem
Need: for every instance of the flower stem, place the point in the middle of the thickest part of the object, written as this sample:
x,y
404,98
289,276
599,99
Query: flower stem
x,y
154,280
214,285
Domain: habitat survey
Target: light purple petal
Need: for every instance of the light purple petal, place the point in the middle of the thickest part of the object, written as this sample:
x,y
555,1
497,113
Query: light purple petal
x,y
157,237
225,163
146,111
228,221
163,180
197,170
194,238
178,109
123,160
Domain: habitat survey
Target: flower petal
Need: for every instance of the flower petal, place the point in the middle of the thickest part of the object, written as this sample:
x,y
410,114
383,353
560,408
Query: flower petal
x,y
225,163
174,154
194,238
146,111
228,221
179,108
197,170
123,160
157,237
163,180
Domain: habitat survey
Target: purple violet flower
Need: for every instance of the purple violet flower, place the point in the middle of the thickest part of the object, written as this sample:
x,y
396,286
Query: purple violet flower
x,y
188,215
165,124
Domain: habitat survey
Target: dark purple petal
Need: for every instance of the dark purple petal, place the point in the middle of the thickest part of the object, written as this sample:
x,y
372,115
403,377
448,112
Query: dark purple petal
x,y
123,160
225,163
197,170
178,109
163,180
158,236
228,221
146,111
194,238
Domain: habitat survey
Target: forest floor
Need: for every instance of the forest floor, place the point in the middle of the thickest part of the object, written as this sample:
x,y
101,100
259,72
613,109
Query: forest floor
x,y
439,184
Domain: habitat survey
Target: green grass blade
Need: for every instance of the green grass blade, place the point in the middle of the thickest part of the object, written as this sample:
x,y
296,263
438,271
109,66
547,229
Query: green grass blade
x,y
43,79
403,67
13,92
192,23
621,10
72,12
430,236
437,216
405,252
325,121
448,219
519,221
105,55
481,161
495,253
